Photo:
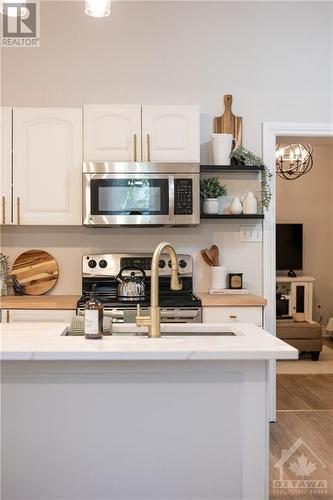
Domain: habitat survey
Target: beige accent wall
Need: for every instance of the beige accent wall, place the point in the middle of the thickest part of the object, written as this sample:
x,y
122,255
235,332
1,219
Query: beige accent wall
x,y
309,200
177,53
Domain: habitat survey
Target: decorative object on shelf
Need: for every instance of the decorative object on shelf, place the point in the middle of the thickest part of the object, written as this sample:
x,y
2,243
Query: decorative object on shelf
x,y
293,160
36,270
250,204
210,191
4,274
98,8
222,146
228,123
236,206
245,157
235,281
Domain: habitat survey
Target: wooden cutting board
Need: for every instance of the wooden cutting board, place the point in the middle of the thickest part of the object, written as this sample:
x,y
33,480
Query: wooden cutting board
x,y
228,123
37,270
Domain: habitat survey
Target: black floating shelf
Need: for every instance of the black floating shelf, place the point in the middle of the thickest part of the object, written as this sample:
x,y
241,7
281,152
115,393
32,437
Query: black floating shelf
x,y
229,168
232,216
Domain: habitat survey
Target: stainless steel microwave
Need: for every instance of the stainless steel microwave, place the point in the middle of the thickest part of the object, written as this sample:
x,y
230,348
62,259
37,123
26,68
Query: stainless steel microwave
x,y
129,194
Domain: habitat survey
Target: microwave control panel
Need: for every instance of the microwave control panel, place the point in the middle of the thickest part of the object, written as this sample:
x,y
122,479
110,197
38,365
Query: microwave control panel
x,y
183,197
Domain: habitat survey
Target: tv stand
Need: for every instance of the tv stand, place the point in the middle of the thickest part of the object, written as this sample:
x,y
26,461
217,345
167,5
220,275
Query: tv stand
x,y
297,294
291,274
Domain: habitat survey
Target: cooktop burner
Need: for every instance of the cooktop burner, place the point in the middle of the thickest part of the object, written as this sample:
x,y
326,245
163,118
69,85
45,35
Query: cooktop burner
x,y
165,301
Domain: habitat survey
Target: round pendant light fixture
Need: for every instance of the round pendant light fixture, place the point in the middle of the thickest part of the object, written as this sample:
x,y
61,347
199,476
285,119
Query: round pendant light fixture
x,y
293,161
98,8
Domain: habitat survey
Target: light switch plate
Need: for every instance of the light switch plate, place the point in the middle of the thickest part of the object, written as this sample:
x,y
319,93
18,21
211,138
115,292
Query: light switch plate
x,y
250,234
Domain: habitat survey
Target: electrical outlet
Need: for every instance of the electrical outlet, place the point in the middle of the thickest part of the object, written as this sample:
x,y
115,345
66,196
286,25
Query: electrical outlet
x,y
250,234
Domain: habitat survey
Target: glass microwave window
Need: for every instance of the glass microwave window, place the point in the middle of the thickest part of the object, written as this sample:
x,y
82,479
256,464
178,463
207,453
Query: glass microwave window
x,y
129,196
140,198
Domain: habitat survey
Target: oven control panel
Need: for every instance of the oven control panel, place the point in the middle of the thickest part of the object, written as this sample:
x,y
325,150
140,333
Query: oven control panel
x,y
183,197
110,264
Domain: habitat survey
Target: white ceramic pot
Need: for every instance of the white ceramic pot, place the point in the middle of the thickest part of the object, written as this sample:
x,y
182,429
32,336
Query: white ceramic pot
x,y
218,277
210,206
250,204
222,146
236,206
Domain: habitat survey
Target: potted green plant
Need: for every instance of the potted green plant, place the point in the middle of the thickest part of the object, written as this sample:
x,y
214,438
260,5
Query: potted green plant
x,y
210,191
243,156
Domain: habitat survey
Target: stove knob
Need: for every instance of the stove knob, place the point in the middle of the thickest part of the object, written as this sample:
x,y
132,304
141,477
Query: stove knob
x,y
182,263
92,263
161,263
169,263
102,263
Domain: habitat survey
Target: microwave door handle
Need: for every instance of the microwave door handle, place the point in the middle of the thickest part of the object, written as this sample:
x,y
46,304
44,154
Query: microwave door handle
x,y
171,198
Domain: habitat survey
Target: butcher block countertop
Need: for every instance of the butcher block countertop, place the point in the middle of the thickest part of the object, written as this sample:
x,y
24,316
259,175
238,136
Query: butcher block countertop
x,y
60,302
231,300
63,302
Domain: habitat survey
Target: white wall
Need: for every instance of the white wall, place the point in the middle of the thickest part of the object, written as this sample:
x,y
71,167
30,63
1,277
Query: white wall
x,y
274,57
309,200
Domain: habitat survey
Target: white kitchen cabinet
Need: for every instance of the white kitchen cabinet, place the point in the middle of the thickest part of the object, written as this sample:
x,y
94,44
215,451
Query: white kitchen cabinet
x,y
112,133
170,133
38,315
47,165
232,315
165,133
6,164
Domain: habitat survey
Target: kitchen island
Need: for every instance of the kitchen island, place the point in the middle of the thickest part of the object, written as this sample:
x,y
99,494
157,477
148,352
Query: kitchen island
x,y
181,417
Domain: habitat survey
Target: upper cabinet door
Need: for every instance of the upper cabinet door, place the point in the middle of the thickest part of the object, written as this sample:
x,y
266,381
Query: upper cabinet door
x,y
170,133
6,164
112,133
47,166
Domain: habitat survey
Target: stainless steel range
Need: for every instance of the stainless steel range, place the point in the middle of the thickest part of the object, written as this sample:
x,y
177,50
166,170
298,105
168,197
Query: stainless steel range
x,y
109,273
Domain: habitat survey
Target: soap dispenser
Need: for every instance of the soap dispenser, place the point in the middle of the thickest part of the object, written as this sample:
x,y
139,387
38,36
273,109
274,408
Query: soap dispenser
x,y
93,317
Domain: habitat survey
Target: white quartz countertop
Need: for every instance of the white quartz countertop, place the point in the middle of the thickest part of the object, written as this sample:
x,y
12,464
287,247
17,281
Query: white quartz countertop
x,y
46,341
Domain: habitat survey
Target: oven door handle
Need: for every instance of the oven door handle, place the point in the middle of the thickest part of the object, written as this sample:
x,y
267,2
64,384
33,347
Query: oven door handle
x,y
171,198
179,313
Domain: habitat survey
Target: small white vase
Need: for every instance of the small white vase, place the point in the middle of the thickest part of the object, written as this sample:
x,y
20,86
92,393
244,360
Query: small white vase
x,y
236,206
210,206
250,204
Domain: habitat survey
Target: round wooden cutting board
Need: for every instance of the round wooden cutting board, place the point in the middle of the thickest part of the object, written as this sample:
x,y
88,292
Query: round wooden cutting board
x,y
37,270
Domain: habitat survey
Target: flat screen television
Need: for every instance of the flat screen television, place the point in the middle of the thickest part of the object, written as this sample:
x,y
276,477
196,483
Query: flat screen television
x,y
289,247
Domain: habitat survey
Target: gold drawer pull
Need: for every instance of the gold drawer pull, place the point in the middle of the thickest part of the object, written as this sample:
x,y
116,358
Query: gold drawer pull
x,y
135,141
7,316
233,316
3,210
18,205
148,147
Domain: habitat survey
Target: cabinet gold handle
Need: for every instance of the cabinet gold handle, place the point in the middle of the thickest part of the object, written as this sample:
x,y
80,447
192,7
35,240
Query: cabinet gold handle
x,y
233,316
7,316
135,142
3,210
148,147
18,206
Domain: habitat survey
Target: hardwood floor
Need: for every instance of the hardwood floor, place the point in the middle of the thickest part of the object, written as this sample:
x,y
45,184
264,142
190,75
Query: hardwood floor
x,y
304,412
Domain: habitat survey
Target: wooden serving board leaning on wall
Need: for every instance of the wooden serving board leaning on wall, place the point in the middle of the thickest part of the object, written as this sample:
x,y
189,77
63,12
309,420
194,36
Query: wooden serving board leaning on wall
x,y
228,123
37,270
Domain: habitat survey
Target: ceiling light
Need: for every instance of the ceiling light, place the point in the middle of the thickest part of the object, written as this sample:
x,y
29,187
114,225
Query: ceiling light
x,y
293,160
98,8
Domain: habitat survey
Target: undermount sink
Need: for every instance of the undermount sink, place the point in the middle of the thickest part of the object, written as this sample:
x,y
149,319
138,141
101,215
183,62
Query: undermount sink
x,y
172,330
